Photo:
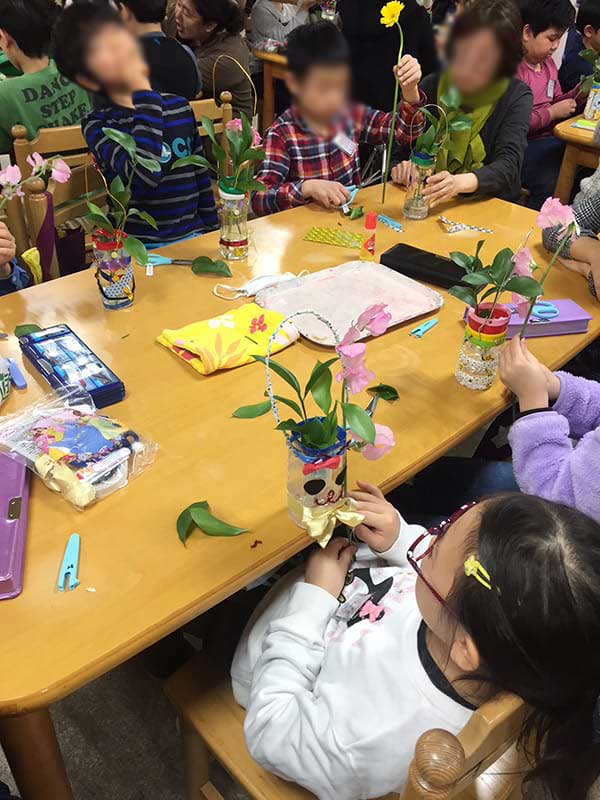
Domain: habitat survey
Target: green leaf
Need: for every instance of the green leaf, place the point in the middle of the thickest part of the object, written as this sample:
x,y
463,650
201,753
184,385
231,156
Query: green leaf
x,y
318,369
291,425
502,266
203,265
289,403
283,372
313,433
586,84
321,390
451,99
359,422
330,426
253,185
589,55
149,163
357,212
235,143
251,412
136,250
477,278
426,141
462,260
253,154
528,287
185,523
99,217
145,216
433,120
460,123
23,330
195,161
199,515
126,141
480,244
208,126
385,391
467,296
118,191
247,134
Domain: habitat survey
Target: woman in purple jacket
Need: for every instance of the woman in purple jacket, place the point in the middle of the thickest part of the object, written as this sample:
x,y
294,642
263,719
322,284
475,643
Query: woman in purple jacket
x,y
554,406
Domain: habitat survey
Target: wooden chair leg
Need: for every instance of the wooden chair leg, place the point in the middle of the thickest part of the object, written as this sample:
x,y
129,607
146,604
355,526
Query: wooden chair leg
x,y
566,176
196,759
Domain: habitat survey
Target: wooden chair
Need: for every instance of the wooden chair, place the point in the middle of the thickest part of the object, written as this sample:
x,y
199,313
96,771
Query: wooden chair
x,y
481,763
220,115
68,142
13,217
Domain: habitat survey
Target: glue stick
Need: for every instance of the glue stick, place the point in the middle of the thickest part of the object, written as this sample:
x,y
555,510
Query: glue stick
x,y
367,248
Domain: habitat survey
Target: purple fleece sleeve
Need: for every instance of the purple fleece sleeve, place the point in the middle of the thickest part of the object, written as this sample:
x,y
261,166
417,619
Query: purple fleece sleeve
x,y
579,402
547,465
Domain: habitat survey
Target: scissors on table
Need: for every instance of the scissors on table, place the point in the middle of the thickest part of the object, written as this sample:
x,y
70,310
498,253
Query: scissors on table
x,y
158,261
544,311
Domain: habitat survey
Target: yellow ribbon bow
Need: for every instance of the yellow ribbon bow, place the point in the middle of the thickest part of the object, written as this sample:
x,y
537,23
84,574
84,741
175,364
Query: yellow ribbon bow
x,y
320,521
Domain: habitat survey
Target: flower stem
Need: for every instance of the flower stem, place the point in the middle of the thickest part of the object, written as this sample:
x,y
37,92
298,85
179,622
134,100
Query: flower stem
x,y
388,152
557,252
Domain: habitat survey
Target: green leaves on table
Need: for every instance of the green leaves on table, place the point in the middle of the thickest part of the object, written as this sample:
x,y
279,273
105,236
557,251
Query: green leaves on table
x,y
384,391
198,516
24,330
203,265
253,411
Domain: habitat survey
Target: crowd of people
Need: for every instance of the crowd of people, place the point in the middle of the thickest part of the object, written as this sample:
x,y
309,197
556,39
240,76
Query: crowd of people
x,y
335,697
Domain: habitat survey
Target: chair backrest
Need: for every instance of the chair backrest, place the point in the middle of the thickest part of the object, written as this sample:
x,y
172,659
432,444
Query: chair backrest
x,y
13,217
220,115
444,764
68,142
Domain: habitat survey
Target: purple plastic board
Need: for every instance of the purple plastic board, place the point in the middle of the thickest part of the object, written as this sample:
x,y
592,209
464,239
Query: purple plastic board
x,y
571,319
14,501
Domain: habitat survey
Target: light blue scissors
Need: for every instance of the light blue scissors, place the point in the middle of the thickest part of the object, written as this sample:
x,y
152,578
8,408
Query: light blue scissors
x,y
544,311
158,261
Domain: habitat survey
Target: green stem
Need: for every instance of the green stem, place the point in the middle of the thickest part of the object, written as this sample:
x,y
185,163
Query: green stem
x,y
532,302
388,152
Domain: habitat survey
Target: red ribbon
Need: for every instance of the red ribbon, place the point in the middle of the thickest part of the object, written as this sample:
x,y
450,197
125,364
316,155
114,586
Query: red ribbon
x,y
329,463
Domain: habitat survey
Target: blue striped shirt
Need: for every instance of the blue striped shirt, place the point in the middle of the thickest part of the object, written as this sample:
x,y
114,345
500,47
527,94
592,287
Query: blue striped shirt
x,y
164,128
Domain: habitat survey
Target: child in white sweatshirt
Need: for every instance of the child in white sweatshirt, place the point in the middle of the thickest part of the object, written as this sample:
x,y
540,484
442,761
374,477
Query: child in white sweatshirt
x,y
340,672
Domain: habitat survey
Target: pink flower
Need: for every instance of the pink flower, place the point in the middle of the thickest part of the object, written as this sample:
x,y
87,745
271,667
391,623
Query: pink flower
x,y
375,319
354,372
554,213
523,261
522,303
11,176
38,163
384,441
61,172
236,125
352,334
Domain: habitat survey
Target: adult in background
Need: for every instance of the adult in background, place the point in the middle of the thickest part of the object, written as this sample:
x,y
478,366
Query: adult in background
x,y
173,66
213,27
484,50
374,48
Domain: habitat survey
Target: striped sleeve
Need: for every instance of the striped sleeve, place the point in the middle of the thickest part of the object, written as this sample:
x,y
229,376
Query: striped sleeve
x,y
280,193
373,127
147,130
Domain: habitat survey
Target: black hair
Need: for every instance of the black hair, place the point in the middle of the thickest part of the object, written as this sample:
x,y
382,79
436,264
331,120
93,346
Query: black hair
x,y
502,17
227,14
146,10
588,14
543,14
30,23
538,629
316,44
76,27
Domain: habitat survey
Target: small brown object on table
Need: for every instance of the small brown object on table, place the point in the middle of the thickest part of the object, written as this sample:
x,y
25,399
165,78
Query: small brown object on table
x,y
274,68
579,152
146,583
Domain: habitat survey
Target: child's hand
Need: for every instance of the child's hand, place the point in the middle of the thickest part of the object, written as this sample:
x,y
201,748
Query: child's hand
x,y
563,109
329,194
8,250
381,526
523,374
328,568
408,74
404,173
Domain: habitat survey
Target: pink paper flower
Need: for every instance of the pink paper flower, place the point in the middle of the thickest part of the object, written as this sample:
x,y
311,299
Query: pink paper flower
x,y
236,125
524,263
384,441
38,163
61,172
375,319
354,371
554,213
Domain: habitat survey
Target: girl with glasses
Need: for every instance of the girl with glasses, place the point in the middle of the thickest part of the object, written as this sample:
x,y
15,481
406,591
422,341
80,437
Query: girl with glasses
x,y
341,669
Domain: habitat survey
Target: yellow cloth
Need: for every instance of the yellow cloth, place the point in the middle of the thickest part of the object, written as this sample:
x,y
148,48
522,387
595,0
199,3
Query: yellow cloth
x,y
229,340
31,258
320,521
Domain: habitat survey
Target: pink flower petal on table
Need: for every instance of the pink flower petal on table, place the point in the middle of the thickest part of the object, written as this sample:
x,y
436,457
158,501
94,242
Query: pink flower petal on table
x,y
554,213
61,172
384,441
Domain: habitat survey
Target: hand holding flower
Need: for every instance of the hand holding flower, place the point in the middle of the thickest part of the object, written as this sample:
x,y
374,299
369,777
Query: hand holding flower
x,y
408,74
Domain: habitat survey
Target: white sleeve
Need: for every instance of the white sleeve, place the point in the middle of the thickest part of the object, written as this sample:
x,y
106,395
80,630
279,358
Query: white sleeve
x,y
289,728
396,554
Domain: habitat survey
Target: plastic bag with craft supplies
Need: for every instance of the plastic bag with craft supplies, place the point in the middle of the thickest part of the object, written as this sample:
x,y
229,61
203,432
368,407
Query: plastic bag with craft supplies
x,y
230,340
77,452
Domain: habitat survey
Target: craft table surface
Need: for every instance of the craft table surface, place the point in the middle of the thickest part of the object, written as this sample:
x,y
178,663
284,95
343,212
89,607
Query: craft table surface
x,y
138,582
580,151
565,131
274,68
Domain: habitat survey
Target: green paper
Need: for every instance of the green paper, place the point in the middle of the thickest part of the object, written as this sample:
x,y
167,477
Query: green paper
x,y
23,330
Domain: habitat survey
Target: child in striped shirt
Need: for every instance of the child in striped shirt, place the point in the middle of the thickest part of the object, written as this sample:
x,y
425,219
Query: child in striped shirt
x,y
96,50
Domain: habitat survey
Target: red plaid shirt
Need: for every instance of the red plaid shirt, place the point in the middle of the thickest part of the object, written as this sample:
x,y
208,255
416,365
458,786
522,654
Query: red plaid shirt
x,y
295,153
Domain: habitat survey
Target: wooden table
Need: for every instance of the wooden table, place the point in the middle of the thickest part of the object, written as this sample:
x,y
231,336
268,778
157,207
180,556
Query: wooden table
x,y
138,582
579,152
274,67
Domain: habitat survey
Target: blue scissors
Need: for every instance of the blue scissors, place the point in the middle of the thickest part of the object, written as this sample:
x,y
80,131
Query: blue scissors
x,y
544,311
158,261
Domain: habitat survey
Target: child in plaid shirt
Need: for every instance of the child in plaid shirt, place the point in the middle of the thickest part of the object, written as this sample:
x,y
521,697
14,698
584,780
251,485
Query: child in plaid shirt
x,y
312,149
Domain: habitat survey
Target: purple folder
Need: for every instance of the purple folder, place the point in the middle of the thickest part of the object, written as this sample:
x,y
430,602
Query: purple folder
x,y
571,319
14,500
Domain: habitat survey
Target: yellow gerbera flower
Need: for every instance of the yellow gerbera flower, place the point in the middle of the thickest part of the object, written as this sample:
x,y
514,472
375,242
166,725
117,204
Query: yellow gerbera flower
x,y
390,13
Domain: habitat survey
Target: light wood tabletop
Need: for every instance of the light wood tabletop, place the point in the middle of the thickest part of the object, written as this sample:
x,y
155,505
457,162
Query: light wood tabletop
x,y
580,151
138,582
274,68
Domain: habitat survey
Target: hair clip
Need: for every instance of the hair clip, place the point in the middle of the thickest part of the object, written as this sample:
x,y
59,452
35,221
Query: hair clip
x,y
473,569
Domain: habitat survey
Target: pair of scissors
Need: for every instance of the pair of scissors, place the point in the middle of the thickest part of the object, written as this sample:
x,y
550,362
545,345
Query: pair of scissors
x,y
544,311
352,191
158,261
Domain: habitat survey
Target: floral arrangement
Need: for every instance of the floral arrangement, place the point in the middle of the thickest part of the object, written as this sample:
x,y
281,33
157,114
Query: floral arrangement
x,y
390,15
12,181
244,141
320,432
450,119
592,57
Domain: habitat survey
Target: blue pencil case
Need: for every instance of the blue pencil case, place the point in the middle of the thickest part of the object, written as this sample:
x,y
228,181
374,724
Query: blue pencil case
x,y
65,360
